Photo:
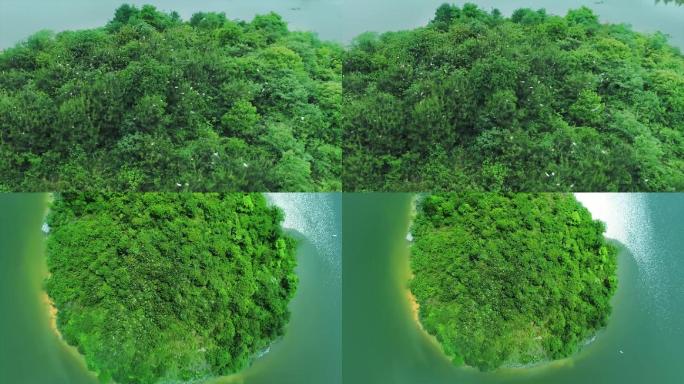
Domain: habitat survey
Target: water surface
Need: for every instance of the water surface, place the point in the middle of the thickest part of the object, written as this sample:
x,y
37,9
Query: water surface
x,y
309,352
642,343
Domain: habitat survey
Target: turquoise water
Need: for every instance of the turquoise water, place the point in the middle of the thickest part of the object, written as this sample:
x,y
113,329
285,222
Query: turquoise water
x,y
371,311
309,352
642,343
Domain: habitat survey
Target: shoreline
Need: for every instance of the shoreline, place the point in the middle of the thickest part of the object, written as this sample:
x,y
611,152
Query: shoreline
x,y
414,308
407,276
45,299
52,313
531,368
413,302
49,306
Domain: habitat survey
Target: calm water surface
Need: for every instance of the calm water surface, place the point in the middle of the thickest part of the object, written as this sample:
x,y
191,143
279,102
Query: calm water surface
x,y
383,344
310,351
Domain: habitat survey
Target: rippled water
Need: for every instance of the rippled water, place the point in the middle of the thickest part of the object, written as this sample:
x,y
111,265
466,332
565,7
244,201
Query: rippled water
x,y
317,217
642,343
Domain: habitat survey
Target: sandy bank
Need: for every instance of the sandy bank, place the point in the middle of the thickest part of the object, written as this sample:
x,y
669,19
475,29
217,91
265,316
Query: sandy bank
x,y
415,308
52,312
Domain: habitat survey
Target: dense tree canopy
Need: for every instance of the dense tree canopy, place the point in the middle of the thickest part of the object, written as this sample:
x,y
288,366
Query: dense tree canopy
x,y
509,280
168,287
533,102
151,102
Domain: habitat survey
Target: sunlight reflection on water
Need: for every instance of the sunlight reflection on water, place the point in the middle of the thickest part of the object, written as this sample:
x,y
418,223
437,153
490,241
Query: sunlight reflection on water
x,y
628,220
312,214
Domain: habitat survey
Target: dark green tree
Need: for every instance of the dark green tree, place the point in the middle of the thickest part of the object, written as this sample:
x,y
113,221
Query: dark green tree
x,y
152,102
168,287
534,102
510,280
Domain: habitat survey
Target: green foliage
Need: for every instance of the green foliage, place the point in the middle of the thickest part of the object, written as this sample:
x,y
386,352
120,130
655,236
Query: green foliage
x,y
150,102
168,287
534,102
509,280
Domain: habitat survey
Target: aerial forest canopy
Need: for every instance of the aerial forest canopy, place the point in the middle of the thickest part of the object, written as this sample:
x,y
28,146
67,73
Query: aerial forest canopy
x,y
510,280
152,102
168,287
533,102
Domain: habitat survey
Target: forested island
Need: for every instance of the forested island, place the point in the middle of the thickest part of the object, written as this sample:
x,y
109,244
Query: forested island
x,y
153,102
168,287
510,280
532,102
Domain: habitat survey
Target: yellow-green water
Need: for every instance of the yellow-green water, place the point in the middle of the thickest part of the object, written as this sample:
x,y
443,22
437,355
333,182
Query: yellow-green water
x,y
309,352
29,351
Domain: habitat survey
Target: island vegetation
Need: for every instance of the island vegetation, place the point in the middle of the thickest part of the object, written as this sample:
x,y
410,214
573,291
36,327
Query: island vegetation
x,y
168,287
678,2
152,102
532,102
510,280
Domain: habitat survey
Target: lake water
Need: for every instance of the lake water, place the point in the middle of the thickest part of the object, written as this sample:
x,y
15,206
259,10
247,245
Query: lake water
x,y
339,20
383,343
309,352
